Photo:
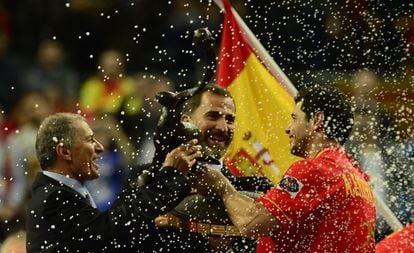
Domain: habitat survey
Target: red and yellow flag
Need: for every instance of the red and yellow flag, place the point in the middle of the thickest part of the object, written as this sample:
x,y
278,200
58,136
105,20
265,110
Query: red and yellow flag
x,y
260,145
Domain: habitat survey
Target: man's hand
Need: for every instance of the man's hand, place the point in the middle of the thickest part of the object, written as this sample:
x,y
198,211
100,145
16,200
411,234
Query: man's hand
x,y
183,157
250,217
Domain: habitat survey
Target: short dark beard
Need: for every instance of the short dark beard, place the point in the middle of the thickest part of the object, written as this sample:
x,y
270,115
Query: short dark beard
x,y
218,153
298,150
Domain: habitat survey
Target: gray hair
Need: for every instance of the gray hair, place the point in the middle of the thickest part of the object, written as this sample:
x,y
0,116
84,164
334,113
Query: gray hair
x,y
55,129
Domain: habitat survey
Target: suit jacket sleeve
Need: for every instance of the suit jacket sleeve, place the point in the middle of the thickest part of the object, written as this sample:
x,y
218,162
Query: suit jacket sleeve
x,y
64,221
248,183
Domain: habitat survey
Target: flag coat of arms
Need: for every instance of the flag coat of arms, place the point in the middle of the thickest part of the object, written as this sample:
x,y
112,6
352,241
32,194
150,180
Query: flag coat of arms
x,y
260,145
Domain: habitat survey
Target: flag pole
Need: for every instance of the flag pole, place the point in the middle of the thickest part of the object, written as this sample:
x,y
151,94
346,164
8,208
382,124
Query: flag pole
x,y
261,52
387,214
275,70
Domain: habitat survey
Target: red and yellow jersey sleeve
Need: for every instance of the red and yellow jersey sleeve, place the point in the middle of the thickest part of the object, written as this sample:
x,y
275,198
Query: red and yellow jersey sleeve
x,y
323,204
302,189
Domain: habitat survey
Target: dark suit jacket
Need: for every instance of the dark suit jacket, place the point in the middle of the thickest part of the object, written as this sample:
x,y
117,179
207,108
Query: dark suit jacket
x,y
245,183
248,183
60,220
186,242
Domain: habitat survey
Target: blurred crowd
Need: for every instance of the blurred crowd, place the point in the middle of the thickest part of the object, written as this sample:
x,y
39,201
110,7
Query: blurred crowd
x,y
108,59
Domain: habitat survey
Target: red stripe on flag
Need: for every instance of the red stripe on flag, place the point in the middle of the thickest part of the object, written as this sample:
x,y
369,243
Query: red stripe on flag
x,y
234,49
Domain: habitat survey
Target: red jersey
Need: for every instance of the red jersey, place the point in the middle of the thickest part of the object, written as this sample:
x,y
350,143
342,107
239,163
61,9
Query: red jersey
x,y
399,241
323,204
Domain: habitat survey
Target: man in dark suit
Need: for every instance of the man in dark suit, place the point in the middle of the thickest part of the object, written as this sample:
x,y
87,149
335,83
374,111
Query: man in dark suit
x,y
61,216
212,112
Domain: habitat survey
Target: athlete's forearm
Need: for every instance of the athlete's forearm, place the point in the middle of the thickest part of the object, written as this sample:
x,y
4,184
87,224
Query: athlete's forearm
x,y
250,217
241,209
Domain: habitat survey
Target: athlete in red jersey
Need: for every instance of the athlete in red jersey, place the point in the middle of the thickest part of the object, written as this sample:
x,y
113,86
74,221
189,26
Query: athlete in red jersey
x,y
323,203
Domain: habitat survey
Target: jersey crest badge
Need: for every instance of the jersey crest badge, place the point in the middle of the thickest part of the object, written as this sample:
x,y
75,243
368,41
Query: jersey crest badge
x,y
291,185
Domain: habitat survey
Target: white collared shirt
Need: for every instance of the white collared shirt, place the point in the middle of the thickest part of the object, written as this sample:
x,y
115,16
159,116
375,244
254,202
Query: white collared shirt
x,y
72,183
215,166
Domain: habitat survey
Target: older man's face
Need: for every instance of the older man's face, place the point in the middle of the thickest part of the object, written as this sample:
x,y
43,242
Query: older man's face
x,y
84,153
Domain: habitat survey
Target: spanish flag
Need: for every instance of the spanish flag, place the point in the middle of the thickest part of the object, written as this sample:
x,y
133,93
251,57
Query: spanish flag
x,y
260,145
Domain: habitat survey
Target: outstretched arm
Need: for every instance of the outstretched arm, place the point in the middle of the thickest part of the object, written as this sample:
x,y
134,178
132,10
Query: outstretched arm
x,y
249,216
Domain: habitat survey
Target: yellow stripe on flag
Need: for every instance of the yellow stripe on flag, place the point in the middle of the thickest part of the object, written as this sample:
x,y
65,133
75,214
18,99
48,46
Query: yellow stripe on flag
x,y
263,108
260,145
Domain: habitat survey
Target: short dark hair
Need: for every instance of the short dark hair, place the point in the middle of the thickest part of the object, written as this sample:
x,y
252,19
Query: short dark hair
x,y
55,129
191,104
336,108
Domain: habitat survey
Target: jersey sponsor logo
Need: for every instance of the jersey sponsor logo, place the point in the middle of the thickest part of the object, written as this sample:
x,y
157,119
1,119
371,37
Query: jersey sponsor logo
x,y
291,185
